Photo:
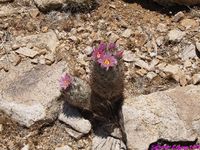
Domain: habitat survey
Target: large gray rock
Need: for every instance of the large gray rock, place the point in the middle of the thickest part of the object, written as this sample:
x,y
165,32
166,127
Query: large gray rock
x,y
47,5
172,114
175,2
29,94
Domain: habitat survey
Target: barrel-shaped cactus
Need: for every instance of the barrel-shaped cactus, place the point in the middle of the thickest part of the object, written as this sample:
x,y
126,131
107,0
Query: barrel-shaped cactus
x,y
107,72
76,91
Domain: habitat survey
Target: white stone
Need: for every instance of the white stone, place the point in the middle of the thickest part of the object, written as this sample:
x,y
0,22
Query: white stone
x,y
176,35
26,147
27,52
129,56
196,78
73,118
66,147
162,27
127,33
29,93
188,52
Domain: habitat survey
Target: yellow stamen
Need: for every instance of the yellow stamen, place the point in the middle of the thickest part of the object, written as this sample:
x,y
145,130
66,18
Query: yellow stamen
x,y
107,62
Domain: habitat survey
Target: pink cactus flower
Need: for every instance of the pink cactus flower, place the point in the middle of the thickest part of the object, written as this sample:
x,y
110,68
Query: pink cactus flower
x,y
112,46
119,54
102,46
65,81
107,61
97,53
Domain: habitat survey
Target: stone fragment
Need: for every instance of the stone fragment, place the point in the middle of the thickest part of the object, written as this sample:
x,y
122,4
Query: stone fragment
x,y
75,134
113,37
162,27
142,64
1,128
14,58
73,118
27,52
189,23
175,35
66,147
128,56
196,78
127,33
188,52
177,17
47,40
151,75
160,40
26,147
198,46
88,50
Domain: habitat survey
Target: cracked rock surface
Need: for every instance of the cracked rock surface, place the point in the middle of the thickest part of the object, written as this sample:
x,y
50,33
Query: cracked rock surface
x,y
172,115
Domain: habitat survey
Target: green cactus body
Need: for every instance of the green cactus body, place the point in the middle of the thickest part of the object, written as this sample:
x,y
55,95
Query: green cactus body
x,y
78,94
108,84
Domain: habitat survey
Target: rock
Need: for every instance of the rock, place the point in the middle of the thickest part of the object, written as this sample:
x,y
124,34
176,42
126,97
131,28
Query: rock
x,y
47,40
3,1
151,75
113,37
14,58
196,78
160,40
175,35
103,141
66,147
139,39
27,52
176,73
34,13
188,52
198,46
142,64
141,72
50,57
88,50
46,5
26,147
187,63
1,128
168,3
29,93
75,134
162,27
73,118
128,56
127,33
189,23
177,17
172,115
42,60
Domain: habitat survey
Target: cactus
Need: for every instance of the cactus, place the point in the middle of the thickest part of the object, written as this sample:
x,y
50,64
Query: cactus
x,y
75,91
107,73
